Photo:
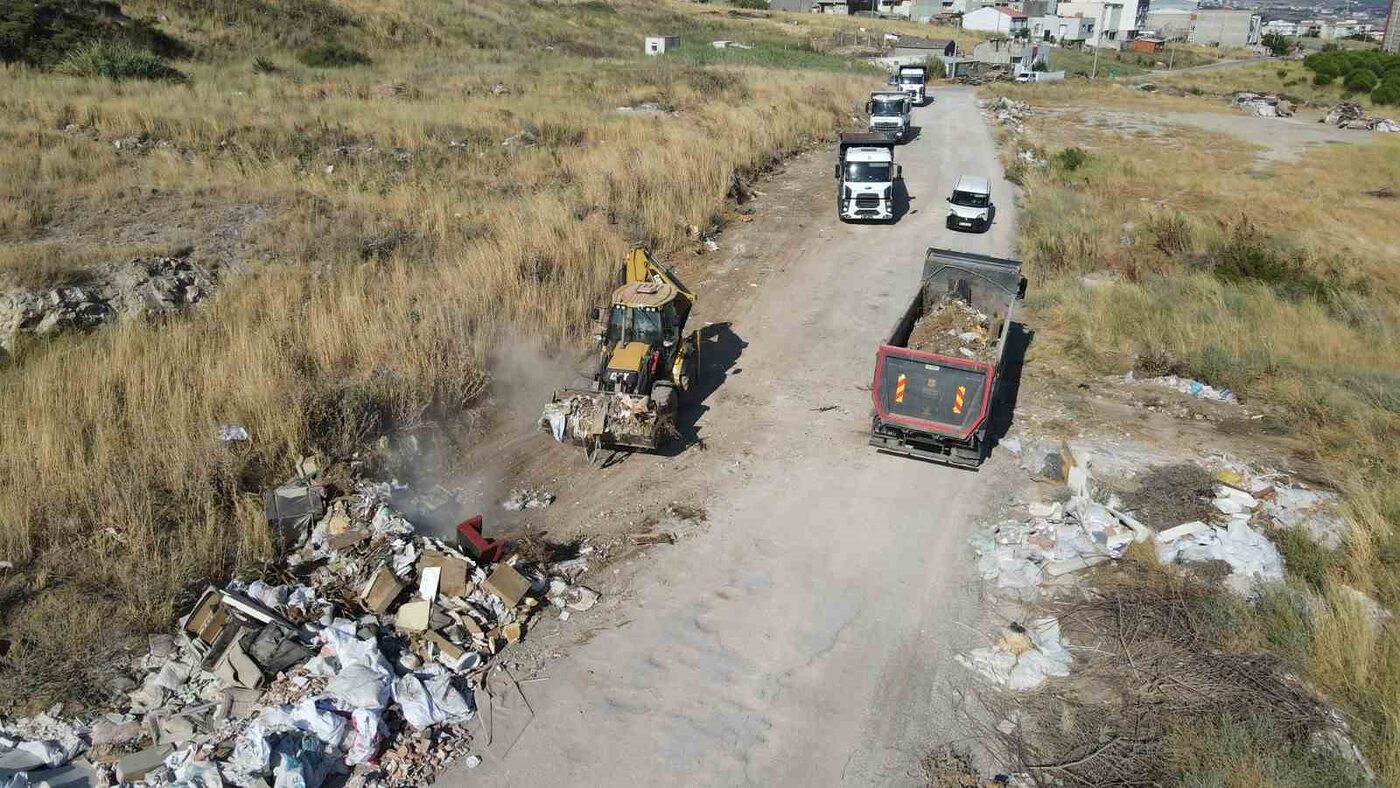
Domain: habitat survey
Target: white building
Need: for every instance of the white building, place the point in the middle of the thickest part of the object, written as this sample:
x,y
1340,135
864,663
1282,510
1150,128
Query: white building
x,y
1281,27
1226,28
660,45
1115,21
1170,23
1061,30
997,20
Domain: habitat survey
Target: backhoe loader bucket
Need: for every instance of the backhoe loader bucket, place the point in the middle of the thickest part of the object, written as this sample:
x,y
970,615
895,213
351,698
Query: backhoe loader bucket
x,y
603,420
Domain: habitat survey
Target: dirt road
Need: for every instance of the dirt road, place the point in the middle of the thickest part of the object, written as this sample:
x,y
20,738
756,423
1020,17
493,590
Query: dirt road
x,y
805,637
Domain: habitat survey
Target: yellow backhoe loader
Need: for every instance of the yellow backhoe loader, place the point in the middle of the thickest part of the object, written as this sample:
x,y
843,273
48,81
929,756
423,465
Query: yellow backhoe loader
x,y
646,365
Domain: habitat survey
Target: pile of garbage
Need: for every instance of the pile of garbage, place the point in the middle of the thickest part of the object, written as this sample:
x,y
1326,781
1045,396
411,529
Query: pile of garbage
x,y
1008,112
1057,540
1351,115
365,654
954,327
1023,657
1264,105
1193,388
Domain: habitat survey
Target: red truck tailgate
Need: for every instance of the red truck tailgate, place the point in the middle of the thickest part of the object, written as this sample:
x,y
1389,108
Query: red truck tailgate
x,y
925,391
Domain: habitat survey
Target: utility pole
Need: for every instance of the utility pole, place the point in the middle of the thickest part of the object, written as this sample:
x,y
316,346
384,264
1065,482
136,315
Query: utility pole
x,y
1172,57
1098,42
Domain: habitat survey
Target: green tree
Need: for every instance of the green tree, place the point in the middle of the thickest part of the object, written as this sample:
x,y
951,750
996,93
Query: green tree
x,y
1387,93
1361,80
1277,44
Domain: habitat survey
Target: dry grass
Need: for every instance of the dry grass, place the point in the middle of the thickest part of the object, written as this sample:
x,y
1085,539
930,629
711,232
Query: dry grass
x,y
403,236
1278,283
1286,77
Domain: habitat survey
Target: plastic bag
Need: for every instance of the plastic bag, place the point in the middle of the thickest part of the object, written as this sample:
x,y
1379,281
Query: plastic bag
x,y
365,738
418,707
360,686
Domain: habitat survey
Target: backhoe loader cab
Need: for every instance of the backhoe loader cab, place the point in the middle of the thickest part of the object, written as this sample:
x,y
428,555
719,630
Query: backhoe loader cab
x,y
646,363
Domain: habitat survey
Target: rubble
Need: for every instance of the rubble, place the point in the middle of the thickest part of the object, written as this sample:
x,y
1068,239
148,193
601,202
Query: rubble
x,y
1008,112
368,657
1187,386
1351,115
1262,104
954,328
142,287
527,498
1022,658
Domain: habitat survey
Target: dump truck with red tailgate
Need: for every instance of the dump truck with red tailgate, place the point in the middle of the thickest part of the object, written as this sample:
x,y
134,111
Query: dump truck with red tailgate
x,y
937,375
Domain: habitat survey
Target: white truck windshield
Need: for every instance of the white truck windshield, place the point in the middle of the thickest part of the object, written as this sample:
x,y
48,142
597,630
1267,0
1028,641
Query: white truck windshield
x,y
970,199
887,108
867,172
911,79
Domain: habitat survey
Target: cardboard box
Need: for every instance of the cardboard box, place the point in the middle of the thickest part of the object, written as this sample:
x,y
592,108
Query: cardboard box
x,y
381,591
507,584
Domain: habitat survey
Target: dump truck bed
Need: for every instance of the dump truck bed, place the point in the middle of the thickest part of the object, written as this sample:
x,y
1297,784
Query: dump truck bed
x,y
936,373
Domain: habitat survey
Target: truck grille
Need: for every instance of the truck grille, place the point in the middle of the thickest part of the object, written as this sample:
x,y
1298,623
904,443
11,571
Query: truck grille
x,y
867,200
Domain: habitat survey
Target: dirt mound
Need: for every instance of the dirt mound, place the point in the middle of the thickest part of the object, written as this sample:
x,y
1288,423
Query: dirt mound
x,y
953,328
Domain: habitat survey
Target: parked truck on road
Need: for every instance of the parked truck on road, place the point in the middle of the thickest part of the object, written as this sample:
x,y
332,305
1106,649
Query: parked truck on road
x,y
938,374
913,80
866,177
889,114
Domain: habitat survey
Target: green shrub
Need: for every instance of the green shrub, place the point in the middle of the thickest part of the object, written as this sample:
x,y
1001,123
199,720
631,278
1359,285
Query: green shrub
x,y
262,65
1070,159
118,61
1361,80
1247,254
43,32
1321,80
1387,93
332,54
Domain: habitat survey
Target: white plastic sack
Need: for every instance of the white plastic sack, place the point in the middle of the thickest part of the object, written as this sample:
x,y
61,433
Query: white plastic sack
x,y
366,736
309,717
252,753
360,686
198,774
453,704
418,707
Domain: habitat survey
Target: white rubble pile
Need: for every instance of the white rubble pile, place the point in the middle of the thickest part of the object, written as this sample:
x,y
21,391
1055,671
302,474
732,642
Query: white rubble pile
x,y
1008,112
1022,659
369,658
1058,539
1193,388
1264,105
1351,115
527,498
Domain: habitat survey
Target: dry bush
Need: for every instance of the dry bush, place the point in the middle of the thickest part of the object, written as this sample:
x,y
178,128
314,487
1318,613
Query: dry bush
x,y
413,215
1157,698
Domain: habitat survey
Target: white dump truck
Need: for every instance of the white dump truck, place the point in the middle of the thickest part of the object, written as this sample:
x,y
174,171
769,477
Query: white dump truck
x,y
866,177
913,80
889,114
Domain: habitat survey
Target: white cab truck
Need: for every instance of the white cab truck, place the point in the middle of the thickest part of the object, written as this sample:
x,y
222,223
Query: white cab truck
x,y
889,114
970,206
865,177
913,80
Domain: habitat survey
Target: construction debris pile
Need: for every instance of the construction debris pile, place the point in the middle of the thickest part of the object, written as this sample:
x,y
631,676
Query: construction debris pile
x,y
954,328
1263,105
1351,115
1061,538
584,418
1187,386
1023,657
366,655
1008,112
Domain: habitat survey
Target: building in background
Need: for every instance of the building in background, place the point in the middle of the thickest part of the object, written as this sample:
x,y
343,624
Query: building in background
x,y
1390,39
1225,28
1281,27
998,20
1173,24
1065,31
1115,21
912,46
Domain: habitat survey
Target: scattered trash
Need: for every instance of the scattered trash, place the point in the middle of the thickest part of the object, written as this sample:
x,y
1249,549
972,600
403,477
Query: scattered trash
x,y
233,433
645,108
527,498
1250,554
1263,105
1195,388
1351,115
1022,658
368,661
